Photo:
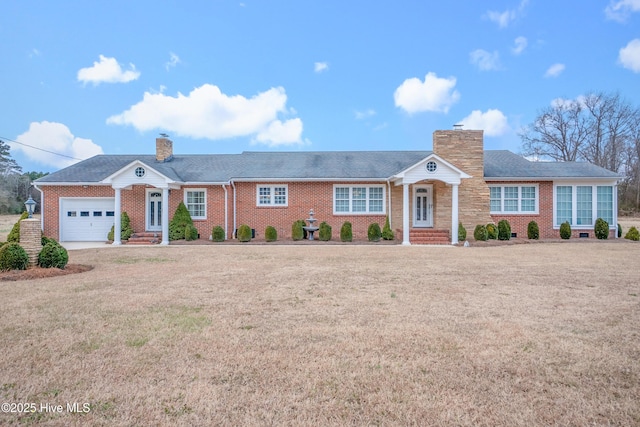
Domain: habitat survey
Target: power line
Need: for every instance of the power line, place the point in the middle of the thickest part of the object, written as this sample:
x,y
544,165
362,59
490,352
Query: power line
x,y
41,149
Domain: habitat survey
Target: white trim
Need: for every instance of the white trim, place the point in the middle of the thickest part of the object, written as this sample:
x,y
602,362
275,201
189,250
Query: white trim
x,y
147,211
536,210
594,203
429,187
367,200
187,190
446,172
272,196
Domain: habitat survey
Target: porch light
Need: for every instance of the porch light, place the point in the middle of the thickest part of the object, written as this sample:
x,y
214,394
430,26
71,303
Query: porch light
x,y
30,204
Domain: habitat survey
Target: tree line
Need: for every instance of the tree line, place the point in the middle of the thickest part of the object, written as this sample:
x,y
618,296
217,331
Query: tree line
x,y
599,128
15,185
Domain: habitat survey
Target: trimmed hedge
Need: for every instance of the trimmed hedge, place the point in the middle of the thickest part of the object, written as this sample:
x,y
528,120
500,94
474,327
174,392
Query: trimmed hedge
x,y
462,233
178,224
492,231
504,230
601,229
374,234
387,232
190,232
217,234
14,234
565,230
125,228
480,233
13,257
346,233
53,255
633,234
244,233
270,233
297,232
533,231
324,232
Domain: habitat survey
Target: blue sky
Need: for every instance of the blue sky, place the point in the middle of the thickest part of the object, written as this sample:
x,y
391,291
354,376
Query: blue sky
x,y
224,76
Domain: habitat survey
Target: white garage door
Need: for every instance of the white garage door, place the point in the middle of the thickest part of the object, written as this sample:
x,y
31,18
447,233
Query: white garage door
x,y
86,219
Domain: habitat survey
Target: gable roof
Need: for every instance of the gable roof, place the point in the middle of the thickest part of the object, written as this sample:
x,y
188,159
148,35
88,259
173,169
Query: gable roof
x,y
310,165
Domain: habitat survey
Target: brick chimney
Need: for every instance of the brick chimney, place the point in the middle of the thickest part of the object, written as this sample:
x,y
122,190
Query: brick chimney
x,y
465,150
164,149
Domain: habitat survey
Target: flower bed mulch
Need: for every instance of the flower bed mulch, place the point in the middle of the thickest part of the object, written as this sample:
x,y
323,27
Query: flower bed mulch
x,y
40,273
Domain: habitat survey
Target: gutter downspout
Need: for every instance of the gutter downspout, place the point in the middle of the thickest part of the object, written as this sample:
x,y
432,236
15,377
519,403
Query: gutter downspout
x,y
226,210
389,198
42,205
234,205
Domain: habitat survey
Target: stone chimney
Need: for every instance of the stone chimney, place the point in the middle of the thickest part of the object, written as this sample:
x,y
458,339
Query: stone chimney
x,y
465,150
164,149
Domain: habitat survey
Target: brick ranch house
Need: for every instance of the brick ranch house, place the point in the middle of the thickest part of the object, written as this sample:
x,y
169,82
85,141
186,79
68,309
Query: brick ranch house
x,y
424,193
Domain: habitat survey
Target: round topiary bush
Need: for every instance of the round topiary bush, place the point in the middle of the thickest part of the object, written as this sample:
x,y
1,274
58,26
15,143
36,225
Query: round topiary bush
x,y
13,257
633,234
217,234
504,230
244,233
270,234
480,233
324,232
533,231
297,232
387,232
190,232
53,255
346,233
492,231
601,229
565,230
374,234
462,233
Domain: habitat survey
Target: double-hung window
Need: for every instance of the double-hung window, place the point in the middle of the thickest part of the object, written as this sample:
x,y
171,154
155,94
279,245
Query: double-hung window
x,y
358,199
513,199
196,203
272,195
581,205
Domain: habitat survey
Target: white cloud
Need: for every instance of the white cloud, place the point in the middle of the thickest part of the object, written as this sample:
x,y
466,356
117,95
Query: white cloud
x,y
361,115
206,112
503,19
50,138
107,71
493,122
621,9
629,56
173,61
520,44
434,94
319,67
555,70
485,61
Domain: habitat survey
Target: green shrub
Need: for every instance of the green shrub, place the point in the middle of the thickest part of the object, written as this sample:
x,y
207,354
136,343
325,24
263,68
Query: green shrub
x,y
270,234
387,232
324,232
14,234
53,255
504,230
633,234
619,231
565,230
492,231
533,231
374,233
601,229
13,257
462,232
177,225
217,234
346,233
190,232
297,232
480,233
44,240
244,233
125,228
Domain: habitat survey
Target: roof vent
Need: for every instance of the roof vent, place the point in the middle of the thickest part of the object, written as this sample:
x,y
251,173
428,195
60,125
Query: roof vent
x,y
458,126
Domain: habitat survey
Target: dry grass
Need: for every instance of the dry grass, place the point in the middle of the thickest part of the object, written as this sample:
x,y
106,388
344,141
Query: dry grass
x,y
523,335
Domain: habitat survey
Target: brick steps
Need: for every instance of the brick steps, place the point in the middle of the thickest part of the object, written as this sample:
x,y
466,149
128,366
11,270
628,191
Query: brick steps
x,y
145,238
429,236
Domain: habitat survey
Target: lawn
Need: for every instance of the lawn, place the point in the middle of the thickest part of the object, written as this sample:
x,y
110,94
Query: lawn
x,y
517,335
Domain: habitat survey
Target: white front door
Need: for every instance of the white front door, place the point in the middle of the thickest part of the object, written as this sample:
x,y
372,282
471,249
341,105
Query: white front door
x,y
154,210
423,206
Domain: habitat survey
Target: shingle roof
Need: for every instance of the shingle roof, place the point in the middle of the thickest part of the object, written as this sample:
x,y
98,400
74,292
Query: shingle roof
x,y
301,165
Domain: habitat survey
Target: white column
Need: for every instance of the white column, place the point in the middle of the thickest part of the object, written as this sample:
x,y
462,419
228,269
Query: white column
x,y
454,214
405,214
117,240
165,216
